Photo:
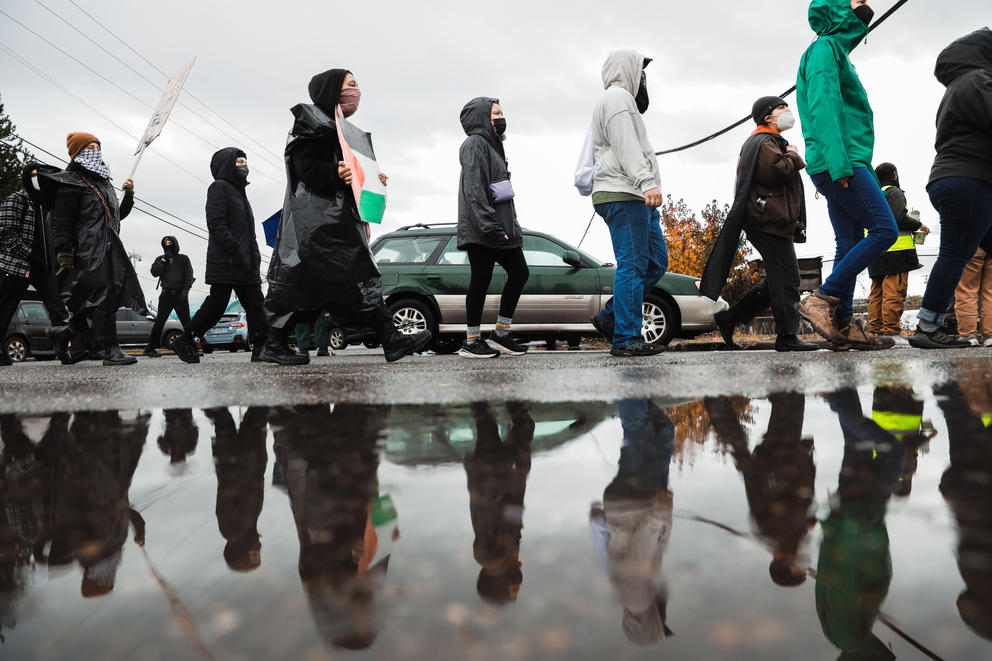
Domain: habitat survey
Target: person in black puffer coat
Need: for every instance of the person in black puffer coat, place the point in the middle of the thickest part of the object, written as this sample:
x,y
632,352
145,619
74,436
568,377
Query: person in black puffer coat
x,y
233,259
96,276
175,276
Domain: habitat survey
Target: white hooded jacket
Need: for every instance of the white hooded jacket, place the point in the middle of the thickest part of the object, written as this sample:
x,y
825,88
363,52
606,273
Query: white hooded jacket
x,y
625,160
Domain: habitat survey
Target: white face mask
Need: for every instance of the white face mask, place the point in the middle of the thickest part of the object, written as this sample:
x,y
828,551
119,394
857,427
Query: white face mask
x,y
34,182
785,121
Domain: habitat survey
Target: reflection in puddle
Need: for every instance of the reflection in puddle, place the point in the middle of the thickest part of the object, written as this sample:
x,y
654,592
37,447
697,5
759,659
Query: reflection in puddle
x,y
794,526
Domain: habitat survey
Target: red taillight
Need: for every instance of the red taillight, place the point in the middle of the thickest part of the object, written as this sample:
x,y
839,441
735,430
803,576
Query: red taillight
x,y
237,324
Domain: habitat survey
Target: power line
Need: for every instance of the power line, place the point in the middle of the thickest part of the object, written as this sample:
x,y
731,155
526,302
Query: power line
x,y
278,157
789,91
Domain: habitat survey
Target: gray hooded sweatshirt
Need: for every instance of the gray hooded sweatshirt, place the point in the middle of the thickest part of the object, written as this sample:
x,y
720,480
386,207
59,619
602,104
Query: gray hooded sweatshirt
x,y
625,160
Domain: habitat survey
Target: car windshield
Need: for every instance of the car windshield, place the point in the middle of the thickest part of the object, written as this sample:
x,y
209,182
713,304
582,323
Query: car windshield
x,y
406,249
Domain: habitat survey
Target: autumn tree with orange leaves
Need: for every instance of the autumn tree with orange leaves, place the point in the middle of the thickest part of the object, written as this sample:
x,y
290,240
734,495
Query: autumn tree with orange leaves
x,y
690,241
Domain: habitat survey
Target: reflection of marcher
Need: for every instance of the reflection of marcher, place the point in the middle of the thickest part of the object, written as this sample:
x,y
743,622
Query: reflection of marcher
x,y
968,413
178,439
96,459
778,477
321,259
854,568
175,276
240,460
233,259
315,335
973,299
328,461
637,514
96,270
497,479
898,411
960,185
27,253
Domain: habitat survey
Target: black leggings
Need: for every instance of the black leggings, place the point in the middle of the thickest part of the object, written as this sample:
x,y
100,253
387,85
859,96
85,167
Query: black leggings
x,y
483,260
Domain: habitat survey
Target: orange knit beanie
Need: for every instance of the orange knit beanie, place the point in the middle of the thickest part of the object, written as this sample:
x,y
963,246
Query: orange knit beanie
x,y
76,141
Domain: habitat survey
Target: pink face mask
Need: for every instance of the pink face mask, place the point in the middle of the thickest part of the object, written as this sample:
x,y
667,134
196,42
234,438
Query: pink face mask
x,y
350,97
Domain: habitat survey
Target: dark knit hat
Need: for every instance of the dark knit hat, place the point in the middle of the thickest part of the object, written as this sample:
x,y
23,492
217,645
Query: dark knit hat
x,y
76,141
764,107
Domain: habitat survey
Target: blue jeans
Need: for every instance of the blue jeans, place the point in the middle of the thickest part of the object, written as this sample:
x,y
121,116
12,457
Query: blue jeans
x,y
639,248
965,207
859,207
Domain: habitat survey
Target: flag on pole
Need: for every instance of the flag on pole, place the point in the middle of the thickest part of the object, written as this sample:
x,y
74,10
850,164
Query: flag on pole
x,y
164,108
271,227
356,147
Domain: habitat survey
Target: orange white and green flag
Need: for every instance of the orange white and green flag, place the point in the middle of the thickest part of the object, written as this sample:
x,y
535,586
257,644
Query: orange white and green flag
x,y
356,147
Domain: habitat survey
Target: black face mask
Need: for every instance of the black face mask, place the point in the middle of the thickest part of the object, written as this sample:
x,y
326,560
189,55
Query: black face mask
x,y
865,14
171,248
499,125
641,99
242,170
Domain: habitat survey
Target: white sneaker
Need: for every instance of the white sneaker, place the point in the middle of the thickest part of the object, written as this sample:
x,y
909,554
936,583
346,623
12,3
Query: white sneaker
x,y
988,342
972,340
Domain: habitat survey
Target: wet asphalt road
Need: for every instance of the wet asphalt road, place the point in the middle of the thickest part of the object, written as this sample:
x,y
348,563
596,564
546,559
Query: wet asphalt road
x,y
362,376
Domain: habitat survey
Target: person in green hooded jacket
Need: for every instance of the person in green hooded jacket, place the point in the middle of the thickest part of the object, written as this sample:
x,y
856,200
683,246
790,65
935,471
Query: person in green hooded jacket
x,y
840,140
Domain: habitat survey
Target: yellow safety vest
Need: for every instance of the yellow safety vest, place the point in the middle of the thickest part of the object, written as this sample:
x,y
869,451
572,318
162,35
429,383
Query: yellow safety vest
x,y
905,240
899,424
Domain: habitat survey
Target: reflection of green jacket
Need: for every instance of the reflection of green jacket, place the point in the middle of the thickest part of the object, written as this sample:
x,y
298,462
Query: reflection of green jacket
x,y
852,580
837,120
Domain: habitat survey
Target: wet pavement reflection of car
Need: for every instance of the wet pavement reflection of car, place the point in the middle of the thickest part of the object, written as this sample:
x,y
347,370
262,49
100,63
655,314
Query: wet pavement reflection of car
x,y
852,524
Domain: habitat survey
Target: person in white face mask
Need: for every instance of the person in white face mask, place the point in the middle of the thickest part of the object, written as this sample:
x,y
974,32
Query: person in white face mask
x,y
770,206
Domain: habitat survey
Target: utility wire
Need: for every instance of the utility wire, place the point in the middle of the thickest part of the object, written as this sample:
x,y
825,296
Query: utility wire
x,y
262,147
789,91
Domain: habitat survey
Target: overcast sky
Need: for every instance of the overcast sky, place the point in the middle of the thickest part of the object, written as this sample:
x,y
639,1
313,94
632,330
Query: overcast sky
x,y
418,63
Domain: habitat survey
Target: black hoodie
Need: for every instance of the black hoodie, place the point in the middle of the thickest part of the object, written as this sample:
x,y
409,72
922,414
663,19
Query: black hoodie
x,y
482,222
315,160
232,252
173,269
964,119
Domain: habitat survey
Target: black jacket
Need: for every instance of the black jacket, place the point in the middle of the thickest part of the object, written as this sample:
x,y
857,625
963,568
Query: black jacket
x,y
86,219
232,251
173,269
321,259
897,261
964,118
482,222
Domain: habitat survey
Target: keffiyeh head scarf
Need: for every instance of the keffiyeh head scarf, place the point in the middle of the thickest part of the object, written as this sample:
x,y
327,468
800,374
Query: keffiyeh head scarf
x,y
92,161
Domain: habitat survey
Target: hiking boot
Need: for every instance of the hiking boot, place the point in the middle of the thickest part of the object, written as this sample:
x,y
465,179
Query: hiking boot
x,y
861,339
726,327
477,349
150,352
603,327
505,345
398,345
277,351
185,347
786,343
637,349
937,339
815,309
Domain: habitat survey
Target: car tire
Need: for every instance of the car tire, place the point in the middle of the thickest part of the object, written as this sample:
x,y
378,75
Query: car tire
x,y
233,348
16,348
574,341
207,348
168,337
413,316
659,320
337,338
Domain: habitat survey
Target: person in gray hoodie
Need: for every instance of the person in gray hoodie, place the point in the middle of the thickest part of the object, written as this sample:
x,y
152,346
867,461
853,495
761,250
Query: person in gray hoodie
x,y
626,194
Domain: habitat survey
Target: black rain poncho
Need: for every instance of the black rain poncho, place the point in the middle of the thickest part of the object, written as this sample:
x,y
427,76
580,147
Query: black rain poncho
x,y
321,258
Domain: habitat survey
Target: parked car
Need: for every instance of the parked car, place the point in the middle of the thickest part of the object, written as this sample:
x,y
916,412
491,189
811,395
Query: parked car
x,y
425,278
27,335
230,333
135,329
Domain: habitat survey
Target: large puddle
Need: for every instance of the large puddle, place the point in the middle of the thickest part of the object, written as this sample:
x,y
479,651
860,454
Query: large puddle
x,y
855,524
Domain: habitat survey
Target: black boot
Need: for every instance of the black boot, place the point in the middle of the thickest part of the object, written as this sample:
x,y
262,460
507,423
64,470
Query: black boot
x,y
185,347
785,343
257,343
726,326
396,345
112,354
60,337
276,350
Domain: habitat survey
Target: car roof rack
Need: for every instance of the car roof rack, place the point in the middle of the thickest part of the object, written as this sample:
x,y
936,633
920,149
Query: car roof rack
x,y
426,226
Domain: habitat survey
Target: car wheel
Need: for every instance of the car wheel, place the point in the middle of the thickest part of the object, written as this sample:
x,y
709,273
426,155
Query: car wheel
x,y
168,337
338,339
371,344
16,348
411,316
574,341
658,320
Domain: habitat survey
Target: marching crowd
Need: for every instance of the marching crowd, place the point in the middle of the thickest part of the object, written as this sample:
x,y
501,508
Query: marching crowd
x,y
61,232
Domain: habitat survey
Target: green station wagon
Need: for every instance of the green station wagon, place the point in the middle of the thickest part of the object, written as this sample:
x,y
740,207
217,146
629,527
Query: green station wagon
x,y
425,278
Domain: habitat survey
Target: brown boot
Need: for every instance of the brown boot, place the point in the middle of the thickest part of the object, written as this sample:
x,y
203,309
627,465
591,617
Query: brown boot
x,y
815,309
859,338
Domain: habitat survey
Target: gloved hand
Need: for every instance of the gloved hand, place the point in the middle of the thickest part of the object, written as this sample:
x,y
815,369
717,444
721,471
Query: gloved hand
x,y
128,186
66,259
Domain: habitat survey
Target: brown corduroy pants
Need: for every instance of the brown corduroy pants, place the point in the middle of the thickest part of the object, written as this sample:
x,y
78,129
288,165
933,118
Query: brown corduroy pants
x,y
974,289
887,302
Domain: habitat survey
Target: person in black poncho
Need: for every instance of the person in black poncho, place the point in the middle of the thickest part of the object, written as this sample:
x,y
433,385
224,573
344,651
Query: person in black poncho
x,y
321,259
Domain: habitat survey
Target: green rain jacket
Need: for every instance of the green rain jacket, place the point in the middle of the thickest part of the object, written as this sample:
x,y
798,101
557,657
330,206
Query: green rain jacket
x,y
836,117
